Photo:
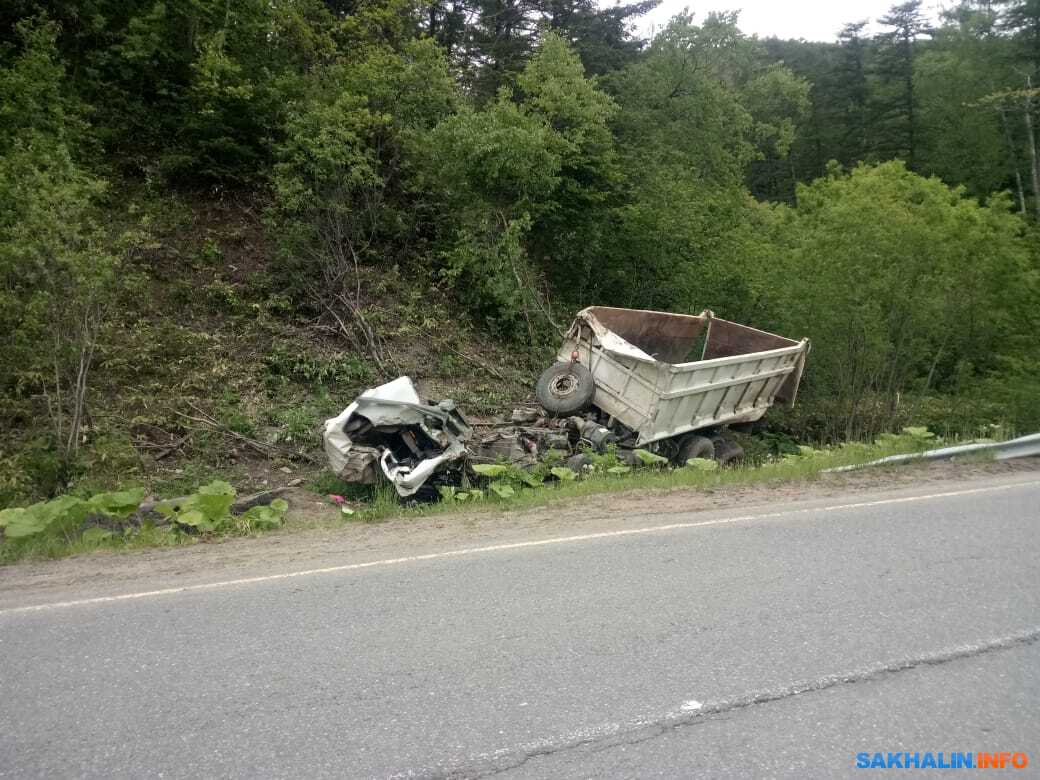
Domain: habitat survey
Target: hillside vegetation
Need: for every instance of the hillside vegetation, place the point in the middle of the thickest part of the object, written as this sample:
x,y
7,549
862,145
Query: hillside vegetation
x,y
221,219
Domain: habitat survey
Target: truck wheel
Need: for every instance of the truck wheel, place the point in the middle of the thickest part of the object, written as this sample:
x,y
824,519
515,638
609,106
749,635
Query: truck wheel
x,y
565,388
577,463
727,452
694,447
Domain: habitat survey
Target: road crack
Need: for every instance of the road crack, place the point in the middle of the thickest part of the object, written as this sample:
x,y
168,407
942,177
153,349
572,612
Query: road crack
x,y
632,733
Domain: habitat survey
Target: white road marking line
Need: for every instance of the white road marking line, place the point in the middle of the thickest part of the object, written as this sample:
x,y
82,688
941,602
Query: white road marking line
x,y
500,548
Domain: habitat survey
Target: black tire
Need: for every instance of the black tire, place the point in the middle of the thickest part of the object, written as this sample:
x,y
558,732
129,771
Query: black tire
x,y
565,388
577,463
728,453
694,446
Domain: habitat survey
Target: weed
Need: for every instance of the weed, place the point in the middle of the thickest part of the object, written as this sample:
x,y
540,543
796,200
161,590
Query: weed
x,y
296,424
233,417
291,364
328,484
608,475
69,524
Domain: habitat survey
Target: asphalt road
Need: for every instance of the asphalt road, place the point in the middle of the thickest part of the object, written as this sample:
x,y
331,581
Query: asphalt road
x,y
774,642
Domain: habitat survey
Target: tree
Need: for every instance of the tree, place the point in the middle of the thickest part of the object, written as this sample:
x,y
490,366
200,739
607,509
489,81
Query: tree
x,y
822,129
601,36
493,172
853,97
337,177
904,286
56,265
504,33
778,102
554,88
522,181
190,89
895,67
1021,18
964,137
686,134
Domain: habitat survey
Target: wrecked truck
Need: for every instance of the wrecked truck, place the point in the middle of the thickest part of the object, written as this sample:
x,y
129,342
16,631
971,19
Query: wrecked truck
x,y
668,383
388,430
390,433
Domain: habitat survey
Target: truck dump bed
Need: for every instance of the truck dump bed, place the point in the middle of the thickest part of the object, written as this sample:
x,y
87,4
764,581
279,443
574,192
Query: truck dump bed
x,y
662,374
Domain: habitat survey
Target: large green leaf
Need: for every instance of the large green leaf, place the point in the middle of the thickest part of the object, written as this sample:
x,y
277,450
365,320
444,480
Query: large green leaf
x,y
214,500
119,504
64,514
490,469
20,522
217,487
648,458
263,517
168,508
192,517
702,464
502,490
531,480
563,474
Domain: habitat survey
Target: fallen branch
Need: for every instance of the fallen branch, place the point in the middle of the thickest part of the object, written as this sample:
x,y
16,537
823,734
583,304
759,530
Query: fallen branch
x,y
268,450
173,447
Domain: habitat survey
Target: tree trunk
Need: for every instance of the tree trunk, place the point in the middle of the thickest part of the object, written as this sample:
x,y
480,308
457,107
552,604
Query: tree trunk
x,y
911,152
1019,189
1034,167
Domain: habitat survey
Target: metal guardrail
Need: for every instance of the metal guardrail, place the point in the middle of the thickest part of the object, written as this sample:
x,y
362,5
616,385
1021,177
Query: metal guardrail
x,y
1022,447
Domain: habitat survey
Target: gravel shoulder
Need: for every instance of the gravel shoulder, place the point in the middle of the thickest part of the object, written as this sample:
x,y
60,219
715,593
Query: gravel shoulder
x,y
107,573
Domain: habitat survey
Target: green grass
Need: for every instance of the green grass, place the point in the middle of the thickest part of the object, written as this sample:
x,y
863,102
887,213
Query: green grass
x,y
791,470
47,547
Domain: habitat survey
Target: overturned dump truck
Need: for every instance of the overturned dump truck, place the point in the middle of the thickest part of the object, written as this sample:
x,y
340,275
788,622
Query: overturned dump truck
x,y
668,383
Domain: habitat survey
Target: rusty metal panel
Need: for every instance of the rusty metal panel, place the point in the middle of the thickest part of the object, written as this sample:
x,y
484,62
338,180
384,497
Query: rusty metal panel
x,y
726,339
663,336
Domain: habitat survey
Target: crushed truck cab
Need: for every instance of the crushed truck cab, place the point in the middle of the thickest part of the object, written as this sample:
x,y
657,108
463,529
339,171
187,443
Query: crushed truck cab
x,y
389,429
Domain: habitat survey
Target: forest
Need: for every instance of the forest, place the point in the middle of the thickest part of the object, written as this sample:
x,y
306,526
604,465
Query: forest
x,y
244,211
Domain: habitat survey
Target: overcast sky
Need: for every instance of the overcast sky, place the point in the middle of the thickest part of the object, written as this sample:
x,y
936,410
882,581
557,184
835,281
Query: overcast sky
x,y
814,20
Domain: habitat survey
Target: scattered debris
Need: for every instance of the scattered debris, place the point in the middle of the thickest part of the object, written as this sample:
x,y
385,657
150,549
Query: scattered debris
x,y
525,415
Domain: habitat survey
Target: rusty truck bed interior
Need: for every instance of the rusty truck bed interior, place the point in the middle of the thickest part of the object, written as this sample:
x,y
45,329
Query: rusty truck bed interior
x,y
685,338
